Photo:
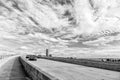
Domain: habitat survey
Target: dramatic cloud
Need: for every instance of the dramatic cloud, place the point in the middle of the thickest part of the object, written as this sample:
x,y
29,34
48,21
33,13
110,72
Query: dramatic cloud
x,y
59,22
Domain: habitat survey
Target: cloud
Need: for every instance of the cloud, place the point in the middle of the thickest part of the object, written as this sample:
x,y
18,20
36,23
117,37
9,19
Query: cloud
x,y
92,22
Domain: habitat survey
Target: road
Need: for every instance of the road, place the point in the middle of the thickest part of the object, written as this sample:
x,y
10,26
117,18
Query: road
x,y
66,71
12,70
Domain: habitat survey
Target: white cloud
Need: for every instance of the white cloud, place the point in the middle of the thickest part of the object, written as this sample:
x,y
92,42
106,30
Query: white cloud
x,y
100,18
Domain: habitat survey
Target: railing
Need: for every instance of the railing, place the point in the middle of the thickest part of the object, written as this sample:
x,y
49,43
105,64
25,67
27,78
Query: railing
x,y
5,56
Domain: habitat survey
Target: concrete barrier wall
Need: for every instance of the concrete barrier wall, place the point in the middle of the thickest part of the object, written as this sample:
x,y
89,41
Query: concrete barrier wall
x,y
86,62
34,72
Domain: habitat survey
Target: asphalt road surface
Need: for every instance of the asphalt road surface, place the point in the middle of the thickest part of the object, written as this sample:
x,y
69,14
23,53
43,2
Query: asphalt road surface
x,y
12,70
66,71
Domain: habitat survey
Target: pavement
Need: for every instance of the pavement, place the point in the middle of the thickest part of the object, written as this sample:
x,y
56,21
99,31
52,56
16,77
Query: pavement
x,y
12,70
66,71
4,60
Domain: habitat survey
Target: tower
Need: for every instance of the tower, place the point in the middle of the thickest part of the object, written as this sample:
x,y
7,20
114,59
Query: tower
x,y
47,54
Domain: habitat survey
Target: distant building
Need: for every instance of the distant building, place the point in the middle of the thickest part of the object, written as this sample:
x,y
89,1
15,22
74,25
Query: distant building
x,y
50,55
47,53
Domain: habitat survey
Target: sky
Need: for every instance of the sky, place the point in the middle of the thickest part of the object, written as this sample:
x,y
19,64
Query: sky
x,y
69,25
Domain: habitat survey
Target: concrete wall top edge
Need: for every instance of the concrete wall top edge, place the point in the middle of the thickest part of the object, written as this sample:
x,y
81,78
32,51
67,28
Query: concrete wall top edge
x,y
38,69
